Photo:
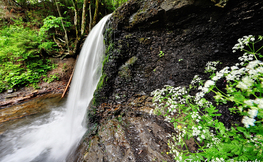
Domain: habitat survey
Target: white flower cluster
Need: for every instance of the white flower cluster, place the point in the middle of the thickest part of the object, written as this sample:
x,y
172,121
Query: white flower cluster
x,y
252,113
246,83
177,96
247,121
215,140
242,42
173,150
245,58
211,66
180,134
199,96
245,75
255,104
235,73
195,80
254,141
160,94
218,160
203,90
195,116
199,132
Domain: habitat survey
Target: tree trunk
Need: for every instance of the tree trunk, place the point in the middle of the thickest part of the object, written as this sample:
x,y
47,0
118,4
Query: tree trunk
x,y
96,13
76,23
83,23
90,17
66,35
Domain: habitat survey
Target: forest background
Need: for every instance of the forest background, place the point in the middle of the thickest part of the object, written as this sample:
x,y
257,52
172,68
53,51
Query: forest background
x,y
33,31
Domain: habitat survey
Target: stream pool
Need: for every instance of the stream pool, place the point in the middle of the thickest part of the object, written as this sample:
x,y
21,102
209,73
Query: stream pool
x,y
26,139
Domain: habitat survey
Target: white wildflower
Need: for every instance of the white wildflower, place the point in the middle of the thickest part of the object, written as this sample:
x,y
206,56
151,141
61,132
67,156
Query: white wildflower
x,y
230,89
259,101
215,78
196,79
218,96
209,145
248,81
252,64
196,132
252,113
250,57
242,86
234,68
199,95
242,42
249,102
248,121
209,83
211,66
217,160
215,139
235,74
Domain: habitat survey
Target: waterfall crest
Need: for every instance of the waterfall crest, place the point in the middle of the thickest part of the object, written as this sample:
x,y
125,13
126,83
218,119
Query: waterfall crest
x,y
52,141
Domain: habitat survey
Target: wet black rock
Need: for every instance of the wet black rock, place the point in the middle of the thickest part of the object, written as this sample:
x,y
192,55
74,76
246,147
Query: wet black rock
x,y
189,34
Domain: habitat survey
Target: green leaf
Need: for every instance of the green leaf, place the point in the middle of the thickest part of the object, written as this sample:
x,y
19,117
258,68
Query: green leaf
x,y
238,97
241,129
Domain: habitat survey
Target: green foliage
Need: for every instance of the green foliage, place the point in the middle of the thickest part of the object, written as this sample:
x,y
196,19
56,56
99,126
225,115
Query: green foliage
x,y
20,58
64,66
51,78
113,4
53,22
194,117
161,54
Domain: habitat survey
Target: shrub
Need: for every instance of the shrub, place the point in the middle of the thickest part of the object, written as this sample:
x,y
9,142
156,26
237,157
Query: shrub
x,y
20,58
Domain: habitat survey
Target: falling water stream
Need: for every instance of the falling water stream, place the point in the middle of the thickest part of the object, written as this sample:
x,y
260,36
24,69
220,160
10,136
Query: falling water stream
x,y
50,137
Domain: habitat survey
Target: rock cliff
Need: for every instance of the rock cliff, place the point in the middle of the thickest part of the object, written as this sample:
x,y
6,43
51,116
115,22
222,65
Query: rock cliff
x,y
152,43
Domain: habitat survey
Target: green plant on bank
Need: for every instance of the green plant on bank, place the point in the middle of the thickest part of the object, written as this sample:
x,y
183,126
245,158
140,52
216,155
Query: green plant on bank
x,y
51,78
21,63
64,66
161,54
53,22
113,4
194,117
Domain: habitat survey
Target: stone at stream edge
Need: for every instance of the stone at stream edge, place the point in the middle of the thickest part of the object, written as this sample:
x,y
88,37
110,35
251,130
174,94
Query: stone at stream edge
x,y
34,106
128,132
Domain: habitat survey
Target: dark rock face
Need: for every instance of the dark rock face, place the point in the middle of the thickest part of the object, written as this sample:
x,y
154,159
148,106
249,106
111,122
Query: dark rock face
x,y
152,44
189,33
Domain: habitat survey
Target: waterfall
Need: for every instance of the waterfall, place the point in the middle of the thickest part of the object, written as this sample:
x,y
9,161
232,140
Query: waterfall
x,y
53,138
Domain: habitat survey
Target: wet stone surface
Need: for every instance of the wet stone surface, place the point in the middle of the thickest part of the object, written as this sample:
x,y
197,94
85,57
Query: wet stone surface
x,y
36,106
127,133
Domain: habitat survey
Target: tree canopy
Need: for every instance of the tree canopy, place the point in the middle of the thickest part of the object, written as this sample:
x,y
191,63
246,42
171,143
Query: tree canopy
x,y
31,31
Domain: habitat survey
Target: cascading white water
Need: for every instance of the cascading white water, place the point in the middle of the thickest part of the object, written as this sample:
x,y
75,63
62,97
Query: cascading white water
x,y
51,139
